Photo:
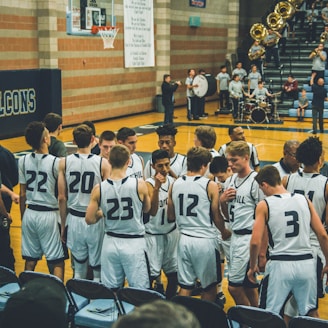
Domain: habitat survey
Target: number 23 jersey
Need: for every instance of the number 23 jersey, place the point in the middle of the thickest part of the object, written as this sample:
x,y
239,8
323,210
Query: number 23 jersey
x,y
122,206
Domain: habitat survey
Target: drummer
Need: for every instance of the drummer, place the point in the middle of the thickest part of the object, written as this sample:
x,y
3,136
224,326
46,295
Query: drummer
x,y
261,94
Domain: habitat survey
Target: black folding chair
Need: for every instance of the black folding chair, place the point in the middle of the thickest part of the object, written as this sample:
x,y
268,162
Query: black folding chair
x,y
9,284
208,313
136,297
307,322
72,305
254,317
104,309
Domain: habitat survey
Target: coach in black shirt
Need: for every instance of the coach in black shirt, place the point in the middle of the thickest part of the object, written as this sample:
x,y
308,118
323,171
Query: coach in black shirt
x,y
319,97
168,89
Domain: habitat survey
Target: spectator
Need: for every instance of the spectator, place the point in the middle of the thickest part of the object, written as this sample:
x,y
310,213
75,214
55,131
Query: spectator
x,y
290,88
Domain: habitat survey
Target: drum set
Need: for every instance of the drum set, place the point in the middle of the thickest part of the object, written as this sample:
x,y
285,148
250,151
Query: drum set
x,y
257,110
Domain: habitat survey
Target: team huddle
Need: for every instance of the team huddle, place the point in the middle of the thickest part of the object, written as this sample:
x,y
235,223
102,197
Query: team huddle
x,y
183,215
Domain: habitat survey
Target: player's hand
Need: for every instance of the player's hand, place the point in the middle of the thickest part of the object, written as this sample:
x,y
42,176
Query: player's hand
x,y
226,234
251,274
159,179
228,195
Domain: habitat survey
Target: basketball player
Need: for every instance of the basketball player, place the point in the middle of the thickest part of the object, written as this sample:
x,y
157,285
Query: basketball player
x,y
314,185
161,236
237,133
238,202
107,141
128,137
78,174
221,171
38,173
291,267
191,199
166,141
121,200
205,136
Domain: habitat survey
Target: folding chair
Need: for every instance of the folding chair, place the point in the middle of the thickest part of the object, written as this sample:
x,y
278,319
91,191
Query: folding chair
x,y
254,317
208,313
136,297
307,322
9,284
72,304
103,307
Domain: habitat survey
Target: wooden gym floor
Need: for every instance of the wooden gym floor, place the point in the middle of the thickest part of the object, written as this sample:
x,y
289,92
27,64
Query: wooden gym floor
x,y
268,139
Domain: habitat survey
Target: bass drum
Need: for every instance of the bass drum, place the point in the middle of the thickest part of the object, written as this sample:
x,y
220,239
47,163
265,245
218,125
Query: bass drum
x,y
258,115
206,85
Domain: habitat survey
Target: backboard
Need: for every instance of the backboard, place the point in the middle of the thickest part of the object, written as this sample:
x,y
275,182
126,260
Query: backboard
x,y
81,15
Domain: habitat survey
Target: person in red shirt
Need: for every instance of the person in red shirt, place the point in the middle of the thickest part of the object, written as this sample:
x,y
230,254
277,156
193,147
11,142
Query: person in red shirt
x,y
290,88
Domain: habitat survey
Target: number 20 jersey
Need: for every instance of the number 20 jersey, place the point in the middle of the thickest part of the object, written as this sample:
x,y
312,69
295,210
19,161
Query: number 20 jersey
x,y
83,172
122,207
192,207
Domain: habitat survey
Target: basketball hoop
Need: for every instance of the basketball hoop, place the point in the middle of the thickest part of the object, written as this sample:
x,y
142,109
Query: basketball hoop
x,y
107,33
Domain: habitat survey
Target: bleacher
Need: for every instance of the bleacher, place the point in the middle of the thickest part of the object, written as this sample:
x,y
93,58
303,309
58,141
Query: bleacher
x,y
292,112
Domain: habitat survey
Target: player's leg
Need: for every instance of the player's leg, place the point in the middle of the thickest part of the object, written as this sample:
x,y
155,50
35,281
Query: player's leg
x,y
170,265
95,236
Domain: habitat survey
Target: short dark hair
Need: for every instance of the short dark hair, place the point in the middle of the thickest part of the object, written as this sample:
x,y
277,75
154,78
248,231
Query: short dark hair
x,y
231,128
52,121
82,135
159,154
34,133
268,174
219,164
165,76
167,130
107,135
91,126
124,133
309,151
223,66
118,156
197,157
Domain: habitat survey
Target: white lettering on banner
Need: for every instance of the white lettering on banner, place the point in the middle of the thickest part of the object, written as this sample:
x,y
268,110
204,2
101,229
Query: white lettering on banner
x,y
17,102
139,50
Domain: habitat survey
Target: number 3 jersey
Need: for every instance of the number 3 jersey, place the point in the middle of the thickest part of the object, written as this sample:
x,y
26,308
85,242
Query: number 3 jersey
x,y
288,224
192,207
122,207
39,172
83,172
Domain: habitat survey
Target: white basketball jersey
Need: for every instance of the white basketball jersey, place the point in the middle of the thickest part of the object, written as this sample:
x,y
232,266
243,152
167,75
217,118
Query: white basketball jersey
x,y
83,172
313,186
288,224
158,224
241,209
39,172
178,165
135,168
193,207
122,206
253,157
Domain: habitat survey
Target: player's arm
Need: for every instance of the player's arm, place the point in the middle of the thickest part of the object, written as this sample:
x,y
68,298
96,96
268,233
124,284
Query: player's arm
x,y
106,169
3,210
143,195
22,199
94,213
261,214
153,192
170,207
215,210
62,195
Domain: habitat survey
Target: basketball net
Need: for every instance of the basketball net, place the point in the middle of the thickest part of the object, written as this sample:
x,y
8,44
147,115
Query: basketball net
x,y
108,35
